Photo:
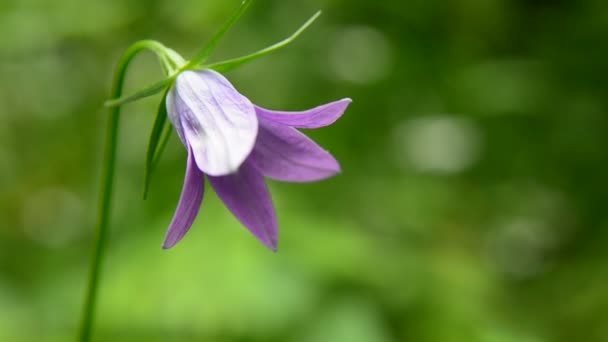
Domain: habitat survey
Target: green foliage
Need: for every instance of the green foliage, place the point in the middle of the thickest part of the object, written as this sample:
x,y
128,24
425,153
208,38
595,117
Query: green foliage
x,y
471,207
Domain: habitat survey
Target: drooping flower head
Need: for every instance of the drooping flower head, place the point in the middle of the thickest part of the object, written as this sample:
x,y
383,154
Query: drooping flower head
x,y
236,144
230,140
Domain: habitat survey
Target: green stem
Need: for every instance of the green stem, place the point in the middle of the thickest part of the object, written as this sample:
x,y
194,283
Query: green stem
x,y
107,180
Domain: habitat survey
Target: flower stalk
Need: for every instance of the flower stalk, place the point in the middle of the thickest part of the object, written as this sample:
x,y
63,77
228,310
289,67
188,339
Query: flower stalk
x,y
233,175
107,179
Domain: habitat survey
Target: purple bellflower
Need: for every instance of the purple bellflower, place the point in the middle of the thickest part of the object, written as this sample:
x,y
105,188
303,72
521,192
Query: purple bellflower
x,y
236,144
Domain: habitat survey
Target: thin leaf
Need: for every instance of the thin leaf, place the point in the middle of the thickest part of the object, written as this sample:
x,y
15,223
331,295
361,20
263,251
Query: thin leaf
x,y
202,56
161,147
159,123
145,92
159,152
236,62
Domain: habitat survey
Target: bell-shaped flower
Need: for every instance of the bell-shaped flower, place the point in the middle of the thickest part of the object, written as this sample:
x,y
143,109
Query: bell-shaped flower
x,y
237,144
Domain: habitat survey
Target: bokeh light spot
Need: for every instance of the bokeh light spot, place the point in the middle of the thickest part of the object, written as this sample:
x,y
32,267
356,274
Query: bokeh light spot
x,y
360,55
53,216
440,144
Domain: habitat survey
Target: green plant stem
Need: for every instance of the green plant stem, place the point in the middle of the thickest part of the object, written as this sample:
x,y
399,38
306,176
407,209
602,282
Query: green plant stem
x,y
107,180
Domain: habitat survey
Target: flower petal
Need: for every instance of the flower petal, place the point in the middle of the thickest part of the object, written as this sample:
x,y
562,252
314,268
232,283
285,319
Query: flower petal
x,y
189,203
246,195
283,153
218,122
320,116
173,115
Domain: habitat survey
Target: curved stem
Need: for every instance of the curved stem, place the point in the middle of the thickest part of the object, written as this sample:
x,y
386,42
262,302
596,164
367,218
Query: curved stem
x,y
107,179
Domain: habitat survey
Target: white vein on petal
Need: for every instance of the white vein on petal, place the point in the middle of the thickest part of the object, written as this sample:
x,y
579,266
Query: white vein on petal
x,y
220,129
173,114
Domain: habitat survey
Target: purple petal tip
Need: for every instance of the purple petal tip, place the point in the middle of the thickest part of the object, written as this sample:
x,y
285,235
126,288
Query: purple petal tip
x,y
188,205
283,153
344,103
272,245
320,116
246,195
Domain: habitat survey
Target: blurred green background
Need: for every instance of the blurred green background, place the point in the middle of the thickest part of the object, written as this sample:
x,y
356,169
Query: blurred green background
x,y
472,206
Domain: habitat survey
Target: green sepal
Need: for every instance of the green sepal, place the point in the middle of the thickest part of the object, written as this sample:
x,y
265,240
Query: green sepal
x,y
236,62
145,92
204,53
157,128
160,149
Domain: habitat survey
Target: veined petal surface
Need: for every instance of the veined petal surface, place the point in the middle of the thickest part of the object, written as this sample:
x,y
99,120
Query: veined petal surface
x,y
218,122
173,115
320,116
285,154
